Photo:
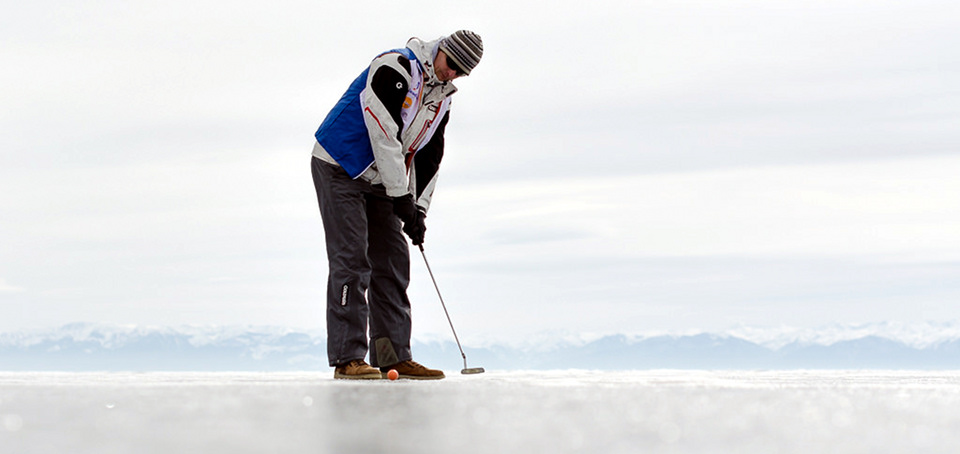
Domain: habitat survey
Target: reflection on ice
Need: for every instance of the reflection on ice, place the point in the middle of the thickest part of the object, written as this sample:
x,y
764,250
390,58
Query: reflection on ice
x,y
561,411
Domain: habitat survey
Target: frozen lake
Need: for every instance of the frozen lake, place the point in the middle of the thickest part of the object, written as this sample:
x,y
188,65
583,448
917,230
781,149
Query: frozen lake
x,y
562,411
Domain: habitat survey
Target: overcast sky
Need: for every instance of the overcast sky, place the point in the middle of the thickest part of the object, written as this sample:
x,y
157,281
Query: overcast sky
x,y
611,167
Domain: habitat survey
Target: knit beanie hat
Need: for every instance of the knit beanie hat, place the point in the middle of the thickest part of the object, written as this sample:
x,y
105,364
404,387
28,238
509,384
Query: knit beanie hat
x,y
464,47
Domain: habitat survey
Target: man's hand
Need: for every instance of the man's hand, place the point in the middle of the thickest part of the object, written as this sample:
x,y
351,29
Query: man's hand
x,y
413,219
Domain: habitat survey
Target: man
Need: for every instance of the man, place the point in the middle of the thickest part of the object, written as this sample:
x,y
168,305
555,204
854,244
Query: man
x,y
374,167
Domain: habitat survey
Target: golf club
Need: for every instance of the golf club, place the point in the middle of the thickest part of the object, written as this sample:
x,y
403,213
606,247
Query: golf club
x,y
466,370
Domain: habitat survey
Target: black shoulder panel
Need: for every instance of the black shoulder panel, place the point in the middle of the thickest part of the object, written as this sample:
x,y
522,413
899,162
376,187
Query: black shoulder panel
x,y
391,88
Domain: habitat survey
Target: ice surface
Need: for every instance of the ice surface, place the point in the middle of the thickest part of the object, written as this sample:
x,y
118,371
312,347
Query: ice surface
x,y
497,412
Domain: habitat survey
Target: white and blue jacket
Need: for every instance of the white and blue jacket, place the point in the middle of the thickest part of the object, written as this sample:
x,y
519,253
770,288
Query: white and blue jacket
x,y
388,127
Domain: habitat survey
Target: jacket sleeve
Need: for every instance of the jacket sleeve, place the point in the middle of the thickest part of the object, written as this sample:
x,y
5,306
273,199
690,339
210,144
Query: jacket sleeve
x,y
382,102
426,164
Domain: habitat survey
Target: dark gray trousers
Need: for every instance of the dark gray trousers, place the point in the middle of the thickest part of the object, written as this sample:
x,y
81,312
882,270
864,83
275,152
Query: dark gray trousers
x,y
369,269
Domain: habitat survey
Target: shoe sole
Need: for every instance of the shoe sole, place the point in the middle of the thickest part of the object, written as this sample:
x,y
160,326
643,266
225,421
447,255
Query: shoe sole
x,y
339,376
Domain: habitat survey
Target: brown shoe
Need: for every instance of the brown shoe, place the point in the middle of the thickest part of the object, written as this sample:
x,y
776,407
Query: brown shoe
x,y
413,370
357,369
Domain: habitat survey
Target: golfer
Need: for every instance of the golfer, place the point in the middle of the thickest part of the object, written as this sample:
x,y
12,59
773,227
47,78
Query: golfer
x,y
374,167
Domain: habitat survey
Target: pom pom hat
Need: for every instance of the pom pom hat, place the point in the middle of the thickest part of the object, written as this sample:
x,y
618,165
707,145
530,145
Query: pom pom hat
x,y
465,49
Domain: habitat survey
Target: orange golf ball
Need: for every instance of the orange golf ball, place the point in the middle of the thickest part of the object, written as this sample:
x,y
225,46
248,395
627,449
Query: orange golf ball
x,y
393,374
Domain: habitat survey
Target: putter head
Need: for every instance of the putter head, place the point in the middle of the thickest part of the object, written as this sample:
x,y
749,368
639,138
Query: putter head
x,y
472,370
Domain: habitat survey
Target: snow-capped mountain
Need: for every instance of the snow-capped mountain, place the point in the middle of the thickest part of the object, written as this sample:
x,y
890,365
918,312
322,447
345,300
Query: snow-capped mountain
x,y
88,347
917,335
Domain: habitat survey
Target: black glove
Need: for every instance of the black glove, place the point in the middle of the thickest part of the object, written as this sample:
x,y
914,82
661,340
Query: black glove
x,y
413,219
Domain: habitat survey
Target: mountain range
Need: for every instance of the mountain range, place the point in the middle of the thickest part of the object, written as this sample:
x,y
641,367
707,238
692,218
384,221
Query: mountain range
x,y
99,347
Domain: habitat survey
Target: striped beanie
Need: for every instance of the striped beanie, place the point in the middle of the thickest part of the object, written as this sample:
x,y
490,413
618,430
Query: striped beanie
x,y
464,47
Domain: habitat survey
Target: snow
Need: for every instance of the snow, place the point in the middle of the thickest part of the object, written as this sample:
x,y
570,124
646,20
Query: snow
x,y
661,411
920,335
103,347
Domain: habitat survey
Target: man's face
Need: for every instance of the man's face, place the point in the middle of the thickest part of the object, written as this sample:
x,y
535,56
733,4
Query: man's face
x,y
445,69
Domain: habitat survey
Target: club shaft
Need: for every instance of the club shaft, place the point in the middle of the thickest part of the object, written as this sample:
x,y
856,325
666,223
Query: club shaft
x,y
444,305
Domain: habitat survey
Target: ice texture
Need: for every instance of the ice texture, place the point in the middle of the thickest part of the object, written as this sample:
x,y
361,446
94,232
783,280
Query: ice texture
x,y
662,411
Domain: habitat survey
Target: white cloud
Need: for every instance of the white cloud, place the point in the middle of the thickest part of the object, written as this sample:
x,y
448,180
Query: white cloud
x,y
890,207
7,288
605,168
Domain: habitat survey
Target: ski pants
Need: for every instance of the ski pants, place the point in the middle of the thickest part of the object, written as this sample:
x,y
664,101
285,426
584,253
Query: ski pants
x,y
369,269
